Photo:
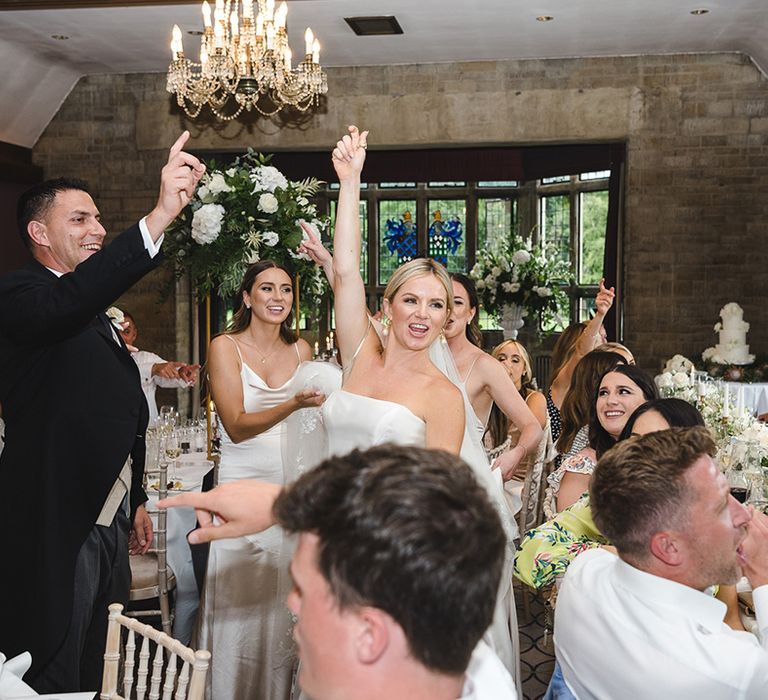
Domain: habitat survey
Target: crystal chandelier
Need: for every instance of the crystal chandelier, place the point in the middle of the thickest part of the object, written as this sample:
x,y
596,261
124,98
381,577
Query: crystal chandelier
x,y
245,64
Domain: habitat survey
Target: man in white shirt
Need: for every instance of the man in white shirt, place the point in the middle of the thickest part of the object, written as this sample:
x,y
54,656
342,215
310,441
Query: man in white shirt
x,y
395,574
153,369
643,624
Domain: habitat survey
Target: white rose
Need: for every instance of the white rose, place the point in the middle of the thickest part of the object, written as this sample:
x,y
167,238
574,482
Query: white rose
x,y
268,203
206,223
544,291
496,271
480,284
520,257
681,380
218,184
270,238
664,380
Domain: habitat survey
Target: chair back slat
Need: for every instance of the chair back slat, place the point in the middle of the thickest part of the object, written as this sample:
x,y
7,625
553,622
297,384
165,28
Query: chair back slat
x,y
130,663
181,689
141,683
165,679
170,677
157,674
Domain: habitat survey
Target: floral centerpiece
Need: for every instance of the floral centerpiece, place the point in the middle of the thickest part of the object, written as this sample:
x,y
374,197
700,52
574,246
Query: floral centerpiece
x,y
240,215
516,280
677,379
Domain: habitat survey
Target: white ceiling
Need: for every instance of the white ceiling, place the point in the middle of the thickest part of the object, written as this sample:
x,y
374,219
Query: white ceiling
x,y
41,71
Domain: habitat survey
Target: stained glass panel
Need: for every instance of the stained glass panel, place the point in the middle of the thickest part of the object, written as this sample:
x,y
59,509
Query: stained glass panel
x,y
398,242
496,219
363,235
446,233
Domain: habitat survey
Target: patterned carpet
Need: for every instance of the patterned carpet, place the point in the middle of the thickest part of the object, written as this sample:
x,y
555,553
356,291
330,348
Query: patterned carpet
x,y
537,654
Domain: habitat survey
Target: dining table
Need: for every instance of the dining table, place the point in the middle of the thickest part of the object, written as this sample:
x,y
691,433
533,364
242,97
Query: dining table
x,y
755,395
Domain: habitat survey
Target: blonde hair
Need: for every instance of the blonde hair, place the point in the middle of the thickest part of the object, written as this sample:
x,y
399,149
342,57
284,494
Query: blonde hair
x,y
612,346
420,267
526,381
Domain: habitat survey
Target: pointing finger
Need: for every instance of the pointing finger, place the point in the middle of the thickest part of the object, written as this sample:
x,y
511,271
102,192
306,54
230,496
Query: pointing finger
x,y
179,145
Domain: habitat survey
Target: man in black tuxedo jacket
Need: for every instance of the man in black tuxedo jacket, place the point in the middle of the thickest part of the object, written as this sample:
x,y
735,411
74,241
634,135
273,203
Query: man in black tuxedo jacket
x,y
74,413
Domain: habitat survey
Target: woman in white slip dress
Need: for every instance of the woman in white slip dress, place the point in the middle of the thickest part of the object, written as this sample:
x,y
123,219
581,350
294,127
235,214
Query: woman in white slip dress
x,y
393,391
244,620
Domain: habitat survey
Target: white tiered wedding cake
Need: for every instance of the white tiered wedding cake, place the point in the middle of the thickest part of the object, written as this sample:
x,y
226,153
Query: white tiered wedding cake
x,y
732,348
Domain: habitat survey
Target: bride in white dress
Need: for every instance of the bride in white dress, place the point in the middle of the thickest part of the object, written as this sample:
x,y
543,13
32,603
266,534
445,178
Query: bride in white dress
x,y
392,390
244,620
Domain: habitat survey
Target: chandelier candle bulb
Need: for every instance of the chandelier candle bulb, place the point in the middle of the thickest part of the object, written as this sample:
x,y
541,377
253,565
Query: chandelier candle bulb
x,y
309,37
270,10
315,51
235,24
206,14
282,13
248,9
177,48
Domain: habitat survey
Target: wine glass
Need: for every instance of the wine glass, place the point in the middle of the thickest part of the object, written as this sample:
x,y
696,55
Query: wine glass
x,y
739,485
172,449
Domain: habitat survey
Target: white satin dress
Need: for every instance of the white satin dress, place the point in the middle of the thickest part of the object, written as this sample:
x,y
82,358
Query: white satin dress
x,y
244,620
355,421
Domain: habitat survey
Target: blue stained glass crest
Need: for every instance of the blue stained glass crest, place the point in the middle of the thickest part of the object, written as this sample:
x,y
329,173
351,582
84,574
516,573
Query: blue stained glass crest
x,y
401,238
445,237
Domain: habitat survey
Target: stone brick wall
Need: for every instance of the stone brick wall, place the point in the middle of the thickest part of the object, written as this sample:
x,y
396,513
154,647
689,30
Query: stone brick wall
x,y
696,128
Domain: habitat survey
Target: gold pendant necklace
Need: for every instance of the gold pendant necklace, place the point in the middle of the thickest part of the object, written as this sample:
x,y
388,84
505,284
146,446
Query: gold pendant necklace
x,y
264,357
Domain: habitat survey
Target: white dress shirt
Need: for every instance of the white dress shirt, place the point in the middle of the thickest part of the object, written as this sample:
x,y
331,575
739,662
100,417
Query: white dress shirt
x,y
624,633
486,677
145,361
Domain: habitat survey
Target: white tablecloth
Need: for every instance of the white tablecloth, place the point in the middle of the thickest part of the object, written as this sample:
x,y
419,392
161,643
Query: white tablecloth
x,y
755,395
190,470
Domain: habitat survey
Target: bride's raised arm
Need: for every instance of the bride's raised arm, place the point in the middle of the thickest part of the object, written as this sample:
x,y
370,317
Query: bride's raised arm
x,y
350,309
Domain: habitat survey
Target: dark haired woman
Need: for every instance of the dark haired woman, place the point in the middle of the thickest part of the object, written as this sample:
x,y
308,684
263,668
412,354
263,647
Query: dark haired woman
x,y
620,391
485,381
244,620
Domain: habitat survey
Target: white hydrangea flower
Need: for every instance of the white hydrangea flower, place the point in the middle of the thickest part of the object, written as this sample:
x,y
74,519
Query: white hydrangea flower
x,y
678,363
206,223
664,380
268,203
218,184
270,238
267,178
520,257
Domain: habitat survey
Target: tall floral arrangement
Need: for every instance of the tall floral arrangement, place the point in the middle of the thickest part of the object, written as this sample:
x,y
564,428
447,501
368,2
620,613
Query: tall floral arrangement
x,y
241,215
517,274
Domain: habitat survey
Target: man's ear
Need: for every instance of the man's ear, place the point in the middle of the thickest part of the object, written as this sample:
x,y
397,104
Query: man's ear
x,y
668,548
38,232
372,635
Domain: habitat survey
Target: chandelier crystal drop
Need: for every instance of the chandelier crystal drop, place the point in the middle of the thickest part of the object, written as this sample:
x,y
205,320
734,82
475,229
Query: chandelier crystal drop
x,y
245,63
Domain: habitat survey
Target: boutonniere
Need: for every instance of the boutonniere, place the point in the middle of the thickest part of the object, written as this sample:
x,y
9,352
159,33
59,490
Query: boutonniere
x,y
117,317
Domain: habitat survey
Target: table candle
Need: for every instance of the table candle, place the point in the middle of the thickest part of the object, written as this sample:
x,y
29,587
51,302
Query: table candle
x,y
328,342
693,375
317,348
702,391
740,402
726,408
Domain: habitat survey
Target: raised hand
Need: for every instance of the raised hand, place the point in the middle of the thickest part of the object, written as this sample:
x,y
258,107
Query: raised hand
x,y
313,247
178,181
604,299
349,155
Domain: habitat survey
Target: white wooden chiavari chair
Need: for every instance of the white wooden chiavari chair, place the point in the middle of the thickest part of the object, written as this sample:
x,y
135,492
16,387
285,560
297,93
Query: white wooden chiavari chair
x,y
157,679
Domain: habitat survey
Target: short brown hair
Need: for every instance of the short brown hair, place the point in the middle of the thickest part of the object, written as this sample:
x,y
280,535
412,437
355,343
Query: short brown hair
x,y
409,531
639,489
